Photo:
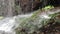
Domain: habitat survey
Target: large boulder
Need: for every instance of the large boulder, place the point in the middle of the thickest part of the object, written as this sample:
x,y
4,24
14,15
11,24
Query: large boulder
x,y
44,22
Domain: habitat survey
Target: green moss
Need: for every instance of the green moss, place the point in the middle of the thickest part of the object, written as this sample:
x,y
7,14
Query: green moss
x,y
48,7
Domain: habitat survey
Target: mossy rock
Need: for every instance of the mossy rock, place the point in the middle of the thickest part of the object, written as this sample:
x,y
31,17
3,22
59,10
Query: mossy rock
x,y
36,22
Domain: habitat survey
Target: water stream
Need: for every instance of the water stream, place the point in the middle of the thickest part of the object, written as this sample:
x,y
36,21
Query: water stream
x,y
8,24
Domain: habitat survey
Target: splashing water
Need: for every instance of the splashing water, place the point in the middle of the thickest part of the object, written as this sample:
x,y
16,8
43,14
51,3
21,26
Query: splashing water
x,y
7,25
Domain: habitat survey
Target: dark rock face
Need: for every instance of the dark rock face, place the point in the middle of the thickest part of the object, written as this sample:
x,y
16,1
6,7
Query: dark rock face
x,y
26,5
31,5
54,2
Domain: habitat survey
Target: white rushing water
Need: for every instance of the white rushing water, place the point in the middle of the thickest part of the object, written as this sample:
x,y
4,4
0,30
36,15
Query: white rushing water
x,y
8,24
